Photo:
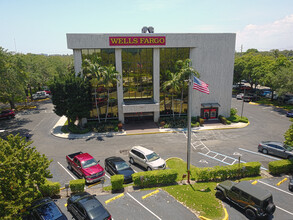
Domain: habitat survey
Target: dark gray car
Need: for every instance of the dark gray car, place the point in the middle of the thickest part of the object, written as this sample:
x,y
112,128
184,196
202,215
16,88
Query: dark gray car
x,y
276,148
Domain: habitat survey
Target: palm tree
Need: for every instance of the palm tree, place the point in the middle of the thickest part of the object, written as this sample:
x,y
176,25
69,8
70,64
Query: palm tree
x,y
92,71
184,71
173,85
109,76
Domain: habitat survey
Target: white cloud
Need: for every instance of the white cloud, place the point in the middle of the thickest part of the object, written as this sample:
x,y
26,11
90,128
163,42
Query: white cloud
x,y
276,35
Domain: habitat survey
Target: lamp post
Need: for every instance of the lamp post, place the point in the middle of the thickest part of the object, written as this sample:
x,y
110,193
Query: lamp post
x,y
239,157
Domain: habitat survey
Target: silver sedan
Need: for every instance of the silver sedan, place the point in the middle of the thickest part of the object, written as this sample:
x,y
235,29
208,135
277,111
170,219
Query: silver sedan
x,y
276,148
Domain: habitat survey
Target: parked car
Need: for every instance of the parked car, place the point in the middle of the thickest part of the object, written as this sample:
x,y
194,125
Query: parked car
x,y
7,114
250,97
40,95
45,208
85,166
116,165
239,96
276,148
86,206
290,101
256,201
290,186
47,91
290,113
146,158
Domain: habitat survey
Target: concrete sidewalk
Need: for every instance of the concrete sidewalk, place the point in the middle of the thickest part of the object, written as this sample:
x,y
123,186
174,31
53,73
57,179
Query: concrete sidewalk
x,y
56,131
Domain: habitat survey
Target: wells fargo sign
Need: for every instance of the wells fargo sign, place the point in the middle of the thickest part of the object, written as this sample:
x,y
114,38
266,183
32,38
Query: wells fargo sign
x,y
137,41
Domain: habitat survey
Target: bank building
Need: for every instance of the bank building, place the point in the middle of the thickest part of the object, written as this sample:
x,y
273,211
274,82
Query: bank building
x,y
144,61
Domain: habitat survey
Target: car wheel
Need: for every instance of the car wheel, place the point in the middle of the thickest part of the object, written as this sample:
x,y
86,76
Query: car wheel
x,y
131,160
149,169
250,214
270,208
265,151
220,194
290,158
69,166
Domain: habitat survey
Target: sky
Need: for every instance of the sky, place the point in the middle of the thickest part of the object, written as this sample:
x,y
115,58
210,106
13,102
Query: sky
x,y
40,26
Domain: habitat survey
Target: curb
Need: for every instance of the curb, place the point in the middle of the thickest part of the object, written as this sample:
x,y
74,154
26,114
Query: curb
x,y
225,218
56,131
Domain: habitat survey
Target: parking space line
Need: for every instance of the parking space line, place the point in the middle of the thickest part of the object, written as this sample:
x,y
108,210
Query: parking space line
x,y
66,170
259,154
284,210
291,194
144,206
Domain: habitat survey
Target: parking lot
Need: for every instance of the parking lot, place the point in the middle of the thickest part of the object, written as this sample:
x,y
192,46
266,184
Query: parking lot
x,y
209,148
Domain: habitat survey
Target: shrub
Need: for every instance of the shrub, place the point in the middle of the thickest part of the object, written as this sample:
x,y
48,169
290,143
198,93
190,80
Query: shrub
x,y
219,173
280,166
117,182
77,185
154,178
233,111
50,188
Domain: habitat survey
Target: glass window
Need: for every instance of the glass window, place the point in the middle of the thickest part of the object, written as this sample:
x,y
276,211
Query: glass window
x,y
89,163
103,57
137,71
245,195
235,190
168,59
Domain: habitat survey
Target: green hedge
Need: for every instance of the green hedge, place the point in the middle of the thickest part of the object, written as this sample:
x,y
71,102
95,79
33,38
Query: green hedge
x,y
50,188
219,173
117,182
77,185
155,177
280,166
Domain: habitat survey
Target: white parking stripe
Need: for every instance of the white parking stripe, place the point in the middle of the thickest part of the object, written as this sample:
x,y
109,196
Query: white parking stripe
x,y
259,154
291,194
66,170
144,206
284,210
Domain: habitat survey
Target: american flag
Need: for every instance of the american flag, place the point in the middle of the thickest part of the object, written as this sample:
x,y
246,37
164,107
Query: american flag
x,y
200,85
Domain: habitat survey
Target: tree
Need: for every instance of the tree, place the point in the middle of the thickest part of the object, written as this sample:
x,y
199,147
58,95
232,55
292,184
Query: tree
x,y
109,77
71,97
92,71
22,170
12,78
289,135
184,70
173,85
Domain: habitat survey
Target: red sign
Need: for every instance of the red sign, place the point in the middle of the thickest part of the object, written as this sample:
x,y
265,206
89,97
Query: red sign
x,y
137,41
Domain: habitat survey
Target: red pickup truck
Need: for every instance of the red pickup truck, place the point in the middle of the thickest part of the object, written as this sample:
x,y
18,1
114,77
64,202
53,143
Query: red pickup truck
x,y
85,166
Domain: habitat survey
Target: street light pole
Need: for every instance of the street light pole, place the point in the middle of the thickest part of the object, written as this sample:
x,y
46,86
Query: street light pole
x,y
189,126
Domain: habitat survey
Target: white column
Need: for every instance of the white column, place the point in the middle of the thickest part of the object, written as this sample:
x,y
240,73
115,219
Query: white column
x,y
118,63
156,81
77,61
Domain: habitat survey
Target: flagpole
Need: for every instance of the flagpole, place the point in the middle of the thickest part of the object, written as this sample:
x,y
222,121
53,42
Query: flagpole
x,y
189,125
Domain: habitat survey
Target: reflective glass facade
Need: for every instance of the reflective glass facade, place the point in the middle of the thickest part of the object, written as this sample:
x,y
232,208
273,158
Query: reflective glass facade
x,y
99,91
137,71
168,59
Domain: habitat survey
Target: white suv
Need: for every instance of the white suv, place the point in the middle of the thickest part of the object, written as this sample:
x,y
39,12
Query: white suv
x,y
146,158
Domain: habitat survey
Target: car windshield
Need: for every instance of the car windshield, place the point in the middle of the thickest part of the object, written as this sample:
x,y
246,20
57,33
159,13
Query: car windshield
x,y
288,148
122,165
49,211
89,163
153,156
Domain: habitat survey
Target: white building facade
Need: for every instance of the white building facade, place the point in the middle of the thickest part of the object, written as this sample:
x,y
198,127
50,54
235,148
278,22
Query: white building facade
x,y
212,55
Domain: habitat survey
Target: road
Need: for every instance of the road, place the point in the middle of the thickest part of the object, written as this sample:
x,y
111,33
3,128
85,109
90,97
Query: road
x,y
209,148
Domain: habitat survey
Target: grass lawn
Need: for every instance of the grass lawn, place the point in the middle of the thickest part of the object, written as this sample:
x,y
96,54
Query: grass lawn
x,y
199,197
